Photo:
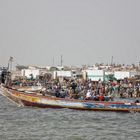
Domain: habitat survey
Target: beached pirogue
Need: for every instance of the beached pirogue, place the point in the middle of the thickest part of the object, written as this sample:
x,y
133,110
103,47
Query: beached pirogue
x,y
35,100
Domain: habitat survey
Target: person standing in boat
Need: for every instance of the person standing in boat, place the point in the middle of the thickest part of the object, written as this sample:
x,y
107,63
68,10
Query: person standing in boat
x,y
74,86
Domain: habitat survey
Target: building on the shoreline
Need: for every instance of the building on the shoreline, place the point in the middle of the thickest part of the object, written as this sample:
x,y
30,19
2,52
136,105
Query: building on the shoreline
x,y
94,73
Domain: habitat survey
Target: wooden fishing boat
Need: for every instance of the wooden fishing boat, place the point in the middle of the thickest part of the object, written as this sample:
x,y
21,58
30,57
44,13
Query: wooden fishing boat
x,y
35,100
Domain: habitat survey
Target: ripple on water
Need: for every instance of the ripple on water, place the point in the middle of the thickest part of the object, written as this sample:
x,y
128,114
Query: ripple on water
x,y
23,123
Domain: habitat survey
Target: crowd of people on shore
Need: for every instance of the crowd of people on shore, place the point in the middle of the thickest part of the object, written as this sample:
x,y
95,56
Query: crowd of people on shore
x,y
83,89
89,90
86,89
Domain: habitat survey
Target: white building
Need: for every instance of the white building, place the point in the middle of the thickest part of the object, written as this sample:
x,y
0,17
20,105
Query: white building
x,y
28,72
95,75
67,74
122,74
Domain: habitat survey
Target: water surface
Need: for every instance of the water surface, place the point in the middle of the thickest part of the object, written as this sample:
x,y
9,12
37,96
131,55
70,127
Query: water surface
x,y
27,123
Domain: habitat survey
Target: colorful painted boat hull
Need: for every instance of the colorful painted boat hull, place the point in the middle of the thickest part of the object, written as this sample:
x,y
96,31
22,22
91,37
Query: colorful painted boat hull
x,y
33,100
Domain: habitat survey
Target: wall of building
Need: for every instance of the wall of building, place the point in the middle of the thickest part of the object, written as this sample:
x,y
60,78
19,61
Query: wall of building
x,y
95,75
27,73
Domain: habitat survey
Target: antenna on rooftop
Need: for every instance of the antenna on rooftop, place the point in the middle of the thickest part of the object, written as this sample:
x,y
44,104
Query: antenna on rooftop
x,y
112,60
53,61
61,60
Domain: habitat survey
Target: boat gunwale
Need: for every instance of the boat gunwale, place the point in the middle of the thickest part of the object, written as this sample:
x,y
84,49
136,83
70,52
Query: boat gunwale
x,y
72,100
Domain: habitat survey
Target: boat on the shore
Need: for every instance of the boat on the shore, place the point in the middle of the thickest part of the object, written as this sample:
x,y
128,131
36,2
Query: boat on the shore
x,y
38,100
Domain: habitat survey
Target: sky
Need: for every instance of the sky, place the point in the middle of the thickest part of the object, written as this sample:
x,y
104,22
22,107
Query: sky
x,y
38,32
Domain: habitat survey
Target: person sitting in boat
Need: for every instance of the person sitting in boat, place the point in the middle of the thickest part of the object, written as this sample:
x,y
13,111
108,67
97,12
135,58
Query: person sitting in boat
x,y
57,93
62,93
88,95
101,97
106,98
96,97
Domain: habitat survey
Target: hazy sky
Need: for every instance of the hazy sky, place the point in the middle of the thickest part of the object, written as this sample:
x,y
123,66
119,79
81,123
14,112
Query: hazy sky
x,y
83,31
